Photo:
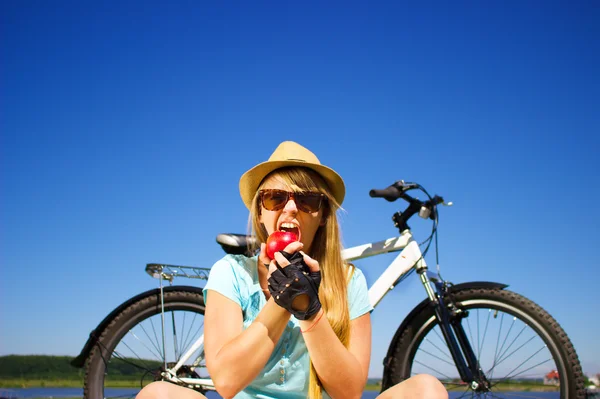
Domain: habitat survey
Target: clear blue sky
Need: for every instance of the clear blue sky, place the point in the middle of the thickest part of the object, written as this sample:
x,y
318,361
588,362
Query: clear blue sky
x,y
125,127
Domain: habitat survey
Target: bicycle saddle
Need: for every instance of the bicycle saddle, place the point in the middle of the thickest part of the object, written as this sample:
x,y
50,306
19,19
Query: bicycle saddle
x,y
237,244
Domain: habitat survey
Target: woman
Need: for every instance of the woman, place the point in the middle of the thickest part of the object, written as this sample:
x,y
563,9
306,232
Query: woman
x,y
297,325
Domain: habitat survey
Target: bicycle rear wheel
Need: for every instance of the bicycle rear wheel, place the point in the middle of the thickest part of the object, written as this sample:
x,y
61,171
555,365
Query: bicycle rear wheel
x,y
521,349
133,349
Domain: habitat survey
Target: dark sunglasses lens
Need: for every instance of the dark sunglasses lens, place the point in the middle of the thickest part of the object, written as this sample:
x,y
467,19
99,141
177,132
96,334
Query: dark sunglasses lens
x,y
274,200
308,202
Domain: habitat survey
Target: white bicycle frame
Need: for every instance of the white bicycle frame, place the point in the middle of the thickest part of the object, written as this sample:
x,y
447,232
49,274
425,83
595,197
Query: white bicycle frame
x,y
409,257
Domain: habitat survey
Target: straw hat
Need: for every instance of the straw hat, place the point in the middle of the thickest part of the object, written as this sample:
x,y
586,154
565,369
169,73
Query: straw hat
x,y
289,153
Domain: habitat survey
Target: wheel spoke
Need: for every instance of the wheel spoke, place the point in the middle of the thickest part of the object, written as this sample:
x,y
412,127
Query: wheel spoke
x,y
530,368
155,343
478,334
512,346
506,337
136,351
480,350
432,369
442,351
156,354
491,372
182,338
117,356
186,342
466,392
174,329
469,328
437,357
158,341
513,352
504,355
194,336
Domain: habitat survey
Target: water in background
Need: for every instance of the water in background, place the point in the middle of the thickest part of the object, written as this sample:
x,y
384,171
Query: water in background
x,y
510,395
78,393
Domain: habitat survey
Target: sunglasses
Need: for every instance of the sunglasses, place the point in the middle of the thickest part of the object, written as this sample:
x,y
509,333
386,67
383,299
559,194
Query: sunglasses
x,y
307,201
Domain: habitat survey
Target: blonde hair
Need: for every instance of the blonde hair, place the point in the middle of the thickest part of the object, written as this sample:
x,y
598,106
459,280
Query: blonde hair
x,y
335,272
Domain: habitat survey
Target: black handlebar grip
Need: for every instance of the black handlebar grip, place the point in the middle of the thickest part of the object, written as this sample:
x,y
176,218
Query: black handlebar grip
x,y
391,193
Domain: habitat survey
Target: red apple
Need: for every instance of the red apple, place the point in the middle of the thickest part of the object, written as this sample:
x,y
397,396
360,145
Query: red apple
x,y
278,241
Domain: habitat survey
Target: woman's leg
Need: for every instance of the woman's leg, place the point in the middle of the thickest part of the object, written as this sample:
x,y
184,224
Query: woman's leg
x,y
166,390
421,386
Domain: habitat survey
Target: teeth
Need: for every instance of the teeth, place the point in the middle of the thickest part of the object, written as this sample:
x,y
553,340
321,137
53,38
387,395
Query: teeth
x,y
288,225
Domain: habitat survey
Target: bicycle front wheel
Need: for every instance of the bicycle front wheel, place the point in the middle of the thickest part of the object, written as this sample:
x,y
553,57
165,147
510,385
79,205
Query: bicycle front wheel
x,y
521,349
139,343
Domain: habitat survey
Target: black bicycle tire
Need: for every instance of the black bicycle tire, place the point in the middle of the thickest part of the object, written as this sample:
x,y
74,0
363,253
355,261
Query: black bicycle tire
x,y
400,364
130,316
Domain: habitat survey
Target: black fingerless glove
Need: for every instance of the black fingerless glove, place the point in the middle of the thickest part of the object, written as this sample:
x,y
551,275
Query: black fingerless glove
x,y
296,279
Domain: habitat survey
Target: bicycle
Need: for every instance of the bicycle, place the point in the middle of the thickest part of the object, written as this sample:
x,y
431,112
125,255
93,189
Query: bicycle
x,y
143,337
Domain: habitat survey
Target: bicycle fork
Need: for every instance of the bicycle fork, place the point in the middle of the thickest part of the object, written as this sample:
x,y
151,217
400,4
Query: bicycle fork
x,y
450,317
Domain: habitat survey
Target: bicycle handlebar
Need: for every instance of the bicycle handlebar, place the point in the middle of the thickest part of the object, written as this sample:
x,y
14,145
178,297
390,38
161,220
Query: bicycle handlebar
x,y
425,209
393,192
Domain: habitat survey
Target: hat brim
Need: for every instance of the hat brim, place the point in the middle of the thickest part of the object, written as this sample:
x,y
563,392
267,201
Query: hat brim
x,y
250,180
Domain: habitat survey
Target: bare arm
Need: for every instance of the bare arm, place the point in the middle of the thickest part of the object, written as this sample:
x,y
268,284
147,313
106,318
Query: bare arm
x,y
342,371
235,356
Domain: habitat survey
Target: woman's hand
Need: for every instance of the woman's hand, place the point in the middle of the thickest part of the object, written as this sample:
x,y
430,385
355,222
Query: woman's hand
x,y
281,260
266,266
291,249
294,282
301,302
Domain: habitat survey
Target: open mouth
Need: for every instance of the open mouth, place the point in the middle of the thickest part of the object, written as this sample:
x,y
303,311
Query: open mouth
x,y
291,228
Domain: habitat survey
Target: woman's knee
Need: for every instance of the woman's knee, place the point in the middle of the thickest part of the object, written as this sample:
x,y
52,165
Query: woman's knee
x,y
420,386
166,390
155,390
429,386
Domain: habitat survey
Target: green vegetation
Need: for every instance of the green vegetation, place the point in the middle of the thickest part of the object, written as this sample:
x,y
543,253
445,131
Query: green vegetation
x,y
512,386
373,384
37,382
38,371
18,371
60,383
38,367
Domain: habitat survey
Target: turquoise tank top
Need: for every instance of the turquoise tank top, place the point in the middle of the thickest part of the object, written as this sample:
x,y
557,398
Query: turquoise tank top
x,y
287,372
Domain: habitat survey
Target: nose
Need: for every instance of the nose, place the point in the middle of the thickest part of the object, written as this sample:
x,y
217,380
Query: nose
x,y
290,206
